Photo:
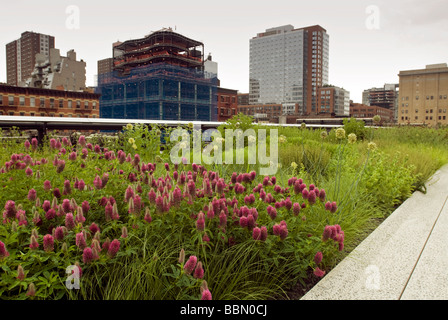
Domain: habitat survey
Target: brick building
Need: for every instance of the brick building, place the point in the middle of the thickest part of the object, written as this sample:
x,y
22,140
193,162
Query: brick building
x,y
262,112
227,103
21,55
359,110
26,101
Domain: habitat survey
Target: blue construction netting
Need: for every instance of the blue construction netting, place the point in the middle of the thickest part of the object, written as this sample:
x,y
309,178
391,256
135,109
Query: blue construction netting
x,y
158,91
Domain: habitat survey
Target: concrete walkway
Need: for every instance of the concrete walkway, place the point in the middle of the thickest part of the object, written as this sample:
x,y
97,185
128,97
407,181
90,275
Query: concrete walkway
x,y
404,258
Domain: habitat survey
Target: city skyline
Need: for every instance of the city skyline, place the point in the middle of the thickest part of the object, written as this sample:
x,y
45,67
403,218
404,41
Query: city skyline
x,y
370,41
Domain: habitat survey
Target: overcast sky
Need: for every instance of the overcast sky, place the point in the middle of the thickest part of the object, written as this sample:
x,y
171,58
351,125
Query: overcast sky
x,y
370,40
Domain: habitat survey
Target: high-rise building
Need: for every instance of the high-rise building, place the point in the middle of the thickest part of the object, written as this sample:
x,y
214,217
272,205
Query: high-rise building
x,y
160,76
423,95
384,97
105,65
21,55
288,65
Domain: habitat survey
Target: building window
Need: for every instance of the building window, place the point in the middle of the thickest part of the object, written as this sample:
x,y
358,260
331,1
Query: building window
x,y
22,114
69,104
1,100
32,114
61,103
86,104
51,103
94,105
42,114
78,104
61,115
11,113
42,102
22,100
32,102
11,100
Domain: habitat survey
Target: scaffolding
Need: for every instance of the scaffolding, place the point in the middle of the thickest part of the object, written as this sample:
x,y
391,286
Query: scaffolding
x,y
159,91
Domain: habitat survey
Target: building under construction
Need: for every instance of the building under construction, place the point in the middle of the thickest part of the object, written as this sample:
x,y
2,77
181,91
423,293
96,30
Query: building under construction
x,y
160,76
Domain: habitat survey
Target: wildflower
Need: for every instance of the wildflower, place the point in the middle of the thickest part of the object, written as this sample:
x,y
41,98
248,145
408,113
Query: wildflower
x,y
282,139
3,252
283,232
50,214
47,185
129,126
272,212
200,222
67,187
256,233
376,119
60,166
318,257
29,171
80,215
190,264
81,241
340,133
206,294
147,216
32,195
198,271
31,290
318,272
311,197
322,195
69,221
124,232
85,206
323,134
27,145
34,143
293,165
334,207
296,208
87,255
10,208
113,248
182,256
351,138
371,146
303,125
222,219
97,182
305,193
263,233
33,242
20,273
59,233
82,141
48,243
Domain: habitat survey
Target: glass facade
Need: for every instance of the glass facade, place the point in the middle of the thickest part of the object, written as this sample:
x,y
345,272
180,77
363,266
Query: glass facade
x,y
158,91
287,65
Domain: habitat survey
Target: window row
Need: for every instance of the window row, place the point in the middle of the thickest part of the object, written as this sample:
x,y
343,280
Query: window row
x,y
52,103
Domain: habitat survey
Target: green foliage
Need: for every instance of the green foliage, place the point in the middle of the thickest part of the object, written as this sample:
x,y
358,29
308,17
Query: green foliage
x,y
365,184
355,126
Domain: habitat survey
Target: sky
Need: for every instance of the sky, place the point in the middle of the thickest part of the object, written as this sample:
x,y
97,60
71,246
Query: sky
x,y
371,41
